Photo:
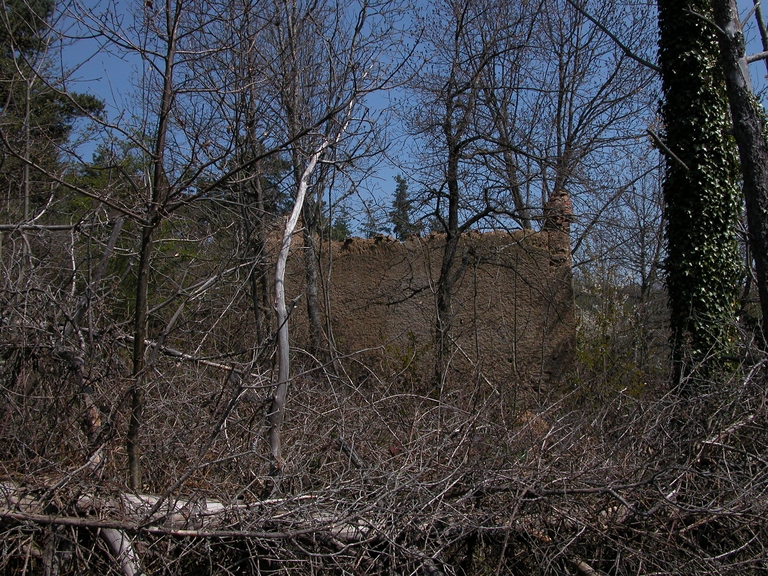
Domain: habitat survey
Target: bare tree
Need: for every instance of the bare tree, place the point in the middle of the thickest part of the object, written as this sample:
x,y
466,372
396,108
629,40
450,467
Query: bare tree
x,y
322,60
465,40
314,56
522,118
186,153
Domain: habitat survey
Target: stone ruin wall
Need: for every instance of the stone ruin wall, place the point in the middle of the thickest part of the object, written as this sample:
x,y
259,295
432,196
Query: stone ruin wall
x,y
514,310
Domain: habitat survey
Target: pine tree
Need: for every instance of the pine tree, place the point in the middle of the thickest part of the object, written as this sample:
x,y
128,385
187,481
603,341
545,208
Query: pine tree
x,y
341,229
371,226
400,216
35,118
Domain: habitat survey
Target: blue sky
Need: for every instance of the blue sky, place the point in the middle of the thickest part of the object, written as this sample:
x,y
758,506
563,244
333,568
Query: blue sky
x,y
110,77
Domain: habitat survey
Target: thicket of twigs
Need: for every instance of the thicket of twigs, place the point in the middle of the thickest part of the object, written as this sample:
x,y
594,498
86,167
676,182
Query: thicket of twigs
x,y
382,476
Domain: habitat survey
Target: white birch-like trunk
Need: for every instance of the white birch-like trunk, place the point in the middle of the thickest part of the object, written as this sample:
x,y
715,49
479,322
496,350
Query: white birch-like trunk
x,y
277,409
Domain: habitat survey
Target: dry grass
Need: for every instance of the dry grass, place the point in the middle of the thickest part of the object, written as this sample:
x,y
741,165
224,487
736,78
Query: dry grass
x,y
382,479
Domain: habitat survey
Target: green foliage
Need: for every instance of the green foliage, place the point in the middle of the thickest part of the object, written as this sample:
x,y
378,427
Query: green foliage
x,y
259,185
700,189
116,170
35,118
371,226
22,29
621,337
341,227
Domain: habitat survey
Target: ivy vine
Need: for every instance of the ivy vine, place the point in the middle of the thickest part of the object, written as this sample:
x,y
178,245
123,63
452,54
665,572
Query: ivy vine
x,y
700,189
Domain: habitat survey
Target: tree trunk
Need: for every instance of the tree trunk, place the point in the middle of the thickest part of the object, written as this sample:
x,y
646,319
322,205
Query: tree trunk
x,y
449,272
700,192
444,307
762,28
139,351
749,130
158,197
277,407
255,246
311,273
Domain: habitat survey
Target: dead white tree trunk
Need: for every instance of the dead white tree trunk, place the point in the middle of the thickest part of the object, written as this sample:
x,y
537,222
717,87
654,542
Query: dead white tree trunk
x,y
277,409
121,548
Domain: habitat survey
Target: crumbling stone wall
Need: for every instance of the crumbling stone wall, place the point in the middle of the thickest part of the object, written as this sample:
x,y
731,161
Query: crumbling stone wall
x,y
514,319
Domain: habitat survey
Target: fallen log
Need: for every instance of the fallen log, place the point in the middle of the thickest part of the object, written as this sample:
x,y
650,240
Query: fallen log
x,y
195,517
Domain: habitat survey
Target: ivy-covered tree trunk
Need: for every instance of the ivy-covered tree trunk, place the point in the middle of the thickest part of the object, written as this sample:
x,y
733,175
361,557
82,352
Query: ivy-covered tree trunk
x,y
700,191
